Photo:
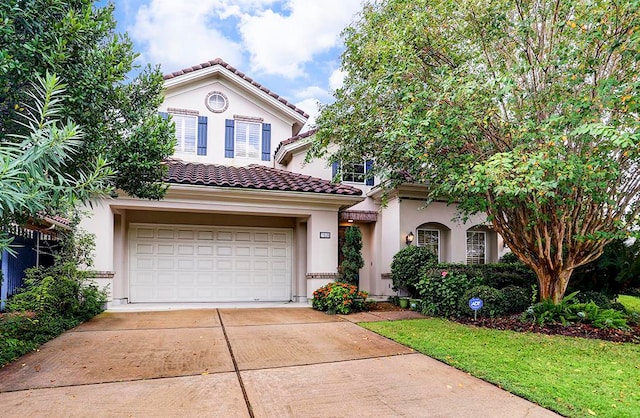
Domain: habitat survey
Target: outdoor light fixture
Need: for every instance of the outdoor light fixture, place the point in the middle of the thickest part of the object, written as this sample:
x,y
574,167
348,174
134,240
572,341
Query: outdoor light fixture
x,y
409,238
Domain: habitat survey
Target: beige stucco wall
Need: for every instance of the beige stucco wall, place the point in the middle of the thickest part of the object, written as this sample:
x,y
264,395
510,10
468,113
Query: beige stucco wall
x,y
110,221
192,97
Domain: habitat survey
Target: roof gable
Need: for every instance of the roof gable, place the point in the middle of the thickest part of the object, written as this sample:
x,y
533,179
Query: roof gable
x,y
220,68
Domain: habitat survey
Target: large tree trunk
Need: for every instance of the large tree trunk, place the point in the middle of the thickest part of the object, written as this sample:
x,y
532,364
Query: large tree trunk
x,y
548,246
553,285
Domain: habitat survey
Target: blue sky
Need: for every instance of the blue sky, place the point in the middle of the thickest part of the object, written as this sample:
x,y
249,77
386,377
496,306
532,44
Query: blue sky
x,y
292,47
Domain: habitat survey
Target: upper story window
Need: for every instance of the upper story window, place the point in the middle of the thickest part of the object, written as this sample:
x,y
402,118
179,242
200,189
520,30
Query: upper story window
x,y
429,238
476,247
247,137
355,173
191,130
186,133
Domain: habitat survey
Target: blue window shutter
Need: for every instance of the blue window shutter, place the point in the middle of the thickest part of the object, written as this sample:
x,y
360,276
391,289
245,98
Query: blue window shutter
x,y
164,115
266,142
334,169
229,138
368,165
202,135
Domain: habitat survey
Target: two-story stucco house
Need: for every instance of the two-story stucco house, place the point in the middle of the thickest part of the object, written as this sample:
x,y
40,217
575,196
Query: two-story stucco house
x,y
245,219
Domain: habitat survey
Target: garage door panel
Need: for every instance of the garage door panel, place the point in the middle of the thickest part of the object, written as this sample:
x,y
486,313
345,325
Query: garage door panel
x,y
145,249
205,250
205,235
200,264
243,251
166,233
243,236
224,236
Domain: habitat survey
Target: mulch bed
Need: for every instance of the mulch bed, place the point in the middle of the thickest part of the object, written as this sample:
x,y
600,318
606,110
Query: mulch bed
x,y
513,323
385,307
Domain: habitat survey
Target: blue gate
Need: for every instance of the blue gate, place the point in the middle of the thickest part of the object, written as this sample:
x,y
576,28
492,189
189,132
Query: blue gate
x,y
26,245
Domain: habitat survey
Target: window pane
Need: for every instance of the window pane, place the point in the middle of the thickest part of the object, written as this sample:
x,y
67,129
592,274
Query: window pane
x,y
431,239
186,130
476,248
354,173
248,139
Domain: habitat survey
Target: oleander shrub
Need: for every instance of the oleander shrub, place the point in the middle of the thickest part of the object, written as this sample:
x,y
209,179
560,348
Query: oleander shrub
x,y
493,303
340,298
440,291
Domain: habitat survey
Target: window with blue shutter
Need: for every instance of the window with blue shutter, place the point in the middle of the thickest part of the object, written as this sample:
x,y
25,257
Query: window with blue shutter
x,y
202,135
369,178
355,173
334,170
229,138
266,142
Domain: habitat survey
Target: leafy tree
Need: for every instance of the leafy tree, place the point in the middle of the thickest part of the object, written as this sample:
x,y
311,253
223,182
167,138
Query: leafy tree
x,y
32,165
76,39
349,269
524,110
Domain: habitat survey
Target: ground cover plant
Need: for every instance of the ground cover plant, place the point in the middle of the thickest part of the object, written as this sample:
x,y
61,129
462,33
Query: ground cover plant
x,y
575,377
53,300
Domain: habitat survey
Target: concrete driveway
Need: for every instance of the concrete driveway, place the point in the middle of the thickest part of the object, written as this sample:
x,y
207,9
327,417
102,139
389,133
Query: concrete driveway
x,y
262,362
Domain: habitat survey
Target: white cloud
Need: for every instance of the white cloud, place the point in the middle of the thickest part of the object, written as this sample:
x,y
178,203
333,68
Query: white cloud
x,y
178,34
281,44
278,38
313,92
311,107
336,80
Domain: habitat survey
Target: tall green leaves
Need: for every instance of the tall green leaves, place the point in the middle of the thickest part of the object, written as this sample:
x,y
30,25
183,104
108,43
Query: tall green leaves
x,y
33,164
77,40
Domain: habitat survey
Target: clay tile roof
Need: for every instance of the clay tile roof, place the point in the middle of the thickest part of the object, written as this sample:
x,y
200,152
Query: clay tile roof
x,y
252,177
295,139
240,74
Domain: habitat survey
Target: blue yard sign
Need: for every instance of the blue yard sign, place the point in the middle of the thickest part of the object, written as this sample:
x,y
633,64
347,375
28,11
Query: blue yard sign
x,y
475,304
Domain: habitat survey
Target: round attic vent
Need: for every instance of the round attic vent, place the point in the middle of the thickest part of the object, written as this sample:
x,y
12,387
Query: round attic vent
x,y
217,102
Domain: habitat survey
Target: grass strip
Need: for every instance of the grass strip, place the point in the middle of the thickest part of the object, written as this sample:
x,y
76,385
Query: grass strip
x,y
632,303
575,377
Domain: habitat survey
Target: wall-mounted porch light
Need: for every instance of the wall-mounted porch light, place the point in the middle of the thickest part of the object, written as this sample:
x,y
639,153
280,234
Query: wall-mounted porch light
x,y
409,238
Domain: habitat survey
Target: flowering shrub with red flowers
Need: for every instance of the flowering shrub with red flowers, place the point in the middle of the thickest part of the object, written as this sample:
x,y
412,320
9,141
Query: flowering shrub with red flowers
x,y
340,298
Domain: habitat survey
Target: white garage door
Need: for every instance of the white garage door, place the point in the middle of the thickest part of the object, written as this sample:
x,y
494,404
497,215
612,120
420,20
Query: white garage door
x,y
177,263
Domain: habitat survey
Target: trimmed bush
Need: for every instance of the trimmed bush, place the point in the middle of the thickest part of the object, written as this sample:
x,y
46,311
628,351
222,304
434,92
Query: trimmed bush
x,y
600,299
517,299
408,266
440,291
509,258
340,298
492,301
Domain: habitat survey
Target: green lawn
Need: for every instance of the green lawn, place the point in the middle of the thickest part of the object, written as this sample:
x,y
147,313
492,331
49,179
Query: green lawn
x,y
573,376
632,303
